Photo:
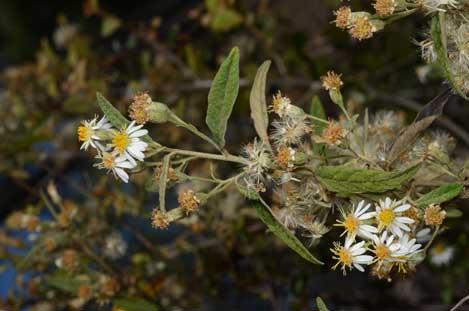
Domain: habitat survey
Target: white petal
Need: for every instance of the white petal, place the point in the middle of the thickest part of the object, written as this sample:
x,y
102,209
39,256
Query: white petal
x,y
122,174
405,220
369,228
402,208
138,133
367,215
136,153
396,230
358,251
358,267
357,246
387,202
366,259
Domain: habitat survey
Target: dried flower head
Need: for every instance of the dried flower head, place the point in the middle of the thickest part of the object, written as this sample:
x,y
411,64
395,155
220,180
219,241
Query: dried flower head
x,y
171,176
188,201
285,157
434,215
280,104
138,110
384,8
333,134
159,219
413,213
362,28
343,17
332,81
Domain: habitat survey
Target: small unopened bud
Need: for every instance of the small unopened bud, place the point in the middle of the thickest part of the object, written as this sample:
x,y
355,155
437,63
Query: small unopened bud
x,y
434,215
158,113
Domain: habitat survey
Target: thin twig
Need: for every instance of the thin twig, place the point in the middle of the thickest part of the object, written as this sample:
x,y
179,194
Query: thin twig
x,y
460,303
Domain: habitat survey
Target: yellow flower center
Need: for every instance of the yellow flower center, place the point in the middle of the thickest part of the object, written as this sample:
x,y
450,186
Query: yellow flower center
x,y
382,251
351,223
387,216
121,141
108,162
84,133
439,248
345,256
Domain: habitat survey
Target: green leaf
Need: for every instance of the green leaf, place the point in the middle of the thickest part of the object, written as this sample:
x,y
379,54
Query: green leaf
x,y
222,96
317,110
134,304
283,233
439,42
258,103
439,195
453,213
349,179
321,305
111,113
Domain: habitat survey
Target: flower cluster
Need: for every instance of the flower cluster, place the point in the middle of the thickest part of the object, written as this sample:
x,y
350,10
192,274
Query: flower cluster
x,y
388,238
117,150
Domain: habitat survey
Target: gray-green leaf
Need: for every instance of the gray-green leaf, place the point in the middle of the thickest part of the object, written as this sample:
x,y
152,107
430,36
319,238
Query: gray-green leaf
x,y
222,96
349,179
258,103
284,234
111,113
439,195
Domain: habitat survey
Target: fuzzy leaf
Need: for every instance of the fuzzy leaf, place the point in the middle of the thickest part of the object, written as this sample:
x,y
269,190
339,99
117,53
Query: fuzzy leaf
x,y
321,305
258,103
64,282
424,119
439,43
284,234
134,304
111,113
439,195
349,179
222,96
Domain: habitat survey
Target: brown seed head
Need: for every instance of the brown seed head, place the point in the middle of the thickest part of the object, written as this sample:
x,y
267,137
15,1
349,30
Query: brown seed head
x,y
384,8
138,110
434,215
70,260
331,81
85,292
333,134
285,156
159,219
188,201
342,17
362,28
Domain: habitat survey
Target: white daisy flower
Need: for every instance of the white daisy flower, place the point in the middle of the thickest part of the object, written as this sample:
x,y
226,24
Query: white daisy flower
x,y
441,254
115,246
384,248
408,247
350,255
116,165
388,215
354,222
128,144
87,132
